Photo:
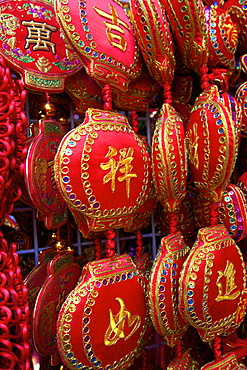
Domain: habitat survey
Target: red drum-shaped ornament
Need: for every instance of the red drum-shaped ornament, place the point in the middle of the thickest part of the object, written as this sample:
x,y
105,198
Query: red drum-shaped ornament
x,y
84,92
138,95
212,284
223,37
163,288
226,362
39,174
154,38
189,30
169,159
103,170
232,212
32,43
212,144
186,362
241,96
102,323
103,37
62,276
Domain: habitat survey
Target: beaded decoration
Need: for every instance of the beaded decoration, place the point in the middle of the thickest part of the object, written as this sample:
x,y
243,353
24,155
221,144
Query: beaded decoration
x,y
112,324
212,285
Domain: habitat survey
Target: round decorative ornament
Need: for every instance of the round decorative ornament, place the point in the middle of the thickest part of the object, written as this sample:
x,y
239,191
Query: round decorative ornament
x,y
39,174
212,144
154,38
62,276
189,30
110,304
169,159
232,211
84,92
36,278
103,37
163,288
138,95
32,43
241,96
212,284
223,37
103,171
225,362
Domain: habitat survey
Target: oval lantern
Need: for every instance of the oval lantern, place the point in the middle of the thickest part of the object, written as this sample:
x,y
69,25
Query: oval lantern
x,y
212,296
112,324
189,30
212,144
163,288
103,170
104,39
154,38
33,44
169,159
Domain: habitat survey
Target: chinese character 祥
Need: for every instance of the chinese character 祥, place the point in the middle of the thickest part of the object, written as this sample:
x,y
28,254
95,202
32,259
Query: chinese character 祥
x,y
226,290
115,330
40,35
114,32
122,165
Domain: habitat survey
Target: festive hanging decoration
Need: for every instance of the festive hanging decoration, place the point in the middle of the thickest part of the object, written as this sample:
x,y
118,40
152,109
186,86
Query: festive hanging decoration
x,y
33,44
62,276
39,171
103,36
114,169
84,91
212,276
110,317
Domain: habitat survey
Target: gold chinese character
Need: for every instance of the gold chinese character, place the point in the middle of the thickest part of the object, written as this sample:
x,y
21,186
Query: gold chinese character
x,y
229,275
123,165
193,144
113,28
115,330
40,35
61,299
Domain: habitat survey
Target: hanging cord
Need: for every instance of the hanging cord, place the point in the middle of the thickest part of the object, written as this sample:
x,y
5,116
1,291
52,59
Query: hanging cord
x,y
110,243
97,248
107,97
172,223
139,244
167,94
133,121
213,214
144,365
179,349
204,77
216,347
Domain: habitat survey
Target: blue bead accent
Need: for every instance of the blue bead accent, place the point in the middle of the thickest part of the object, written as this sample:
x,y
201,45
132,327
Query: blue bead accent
x,y
70,354
190,301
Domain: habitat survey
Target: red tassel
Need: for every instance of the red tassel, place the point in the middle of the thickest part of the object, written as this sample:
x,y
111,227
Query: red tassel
x,y
110,243
107,97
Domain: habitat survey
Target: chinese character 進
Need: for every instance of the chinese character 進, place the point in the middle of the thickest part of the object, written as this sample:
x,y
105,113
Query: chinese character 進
x,y
123,165
229,275
40,35
114,32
